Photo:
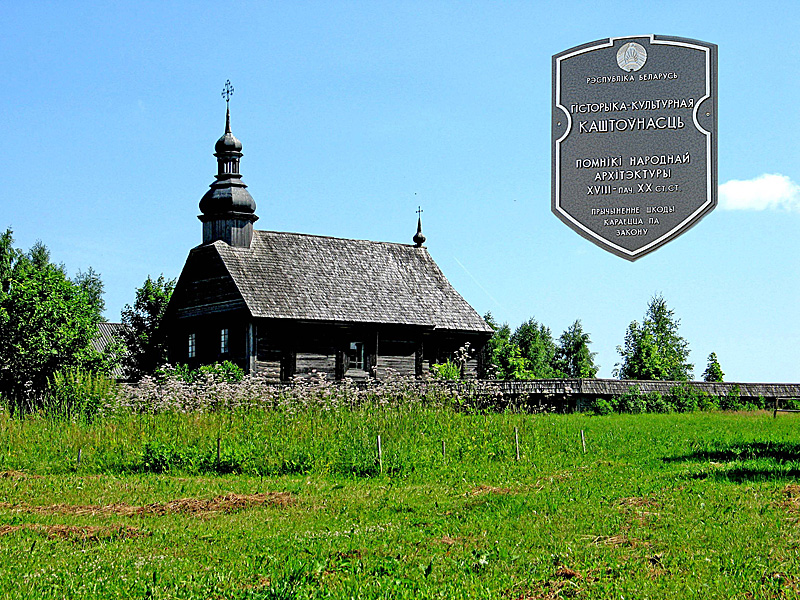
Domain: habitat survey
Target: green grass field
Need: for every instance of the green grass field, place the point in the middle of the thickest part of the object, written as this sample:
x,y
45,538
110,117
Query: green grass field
x,y
701,505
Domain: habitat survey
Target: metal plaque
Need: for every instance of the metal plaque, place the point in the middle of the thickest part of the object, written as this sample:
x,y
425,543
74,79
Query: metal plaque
x,y
634,140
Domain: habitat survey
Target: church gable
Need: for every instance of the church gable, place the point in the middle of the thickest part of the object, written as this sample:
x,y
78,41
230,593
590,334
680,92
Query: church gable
x,y
205,286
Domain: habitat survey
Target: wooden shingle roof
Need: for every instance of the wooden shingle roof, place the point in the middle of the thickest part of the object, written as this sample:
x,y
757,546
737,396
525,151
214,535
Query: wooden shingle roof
x,y
108,333
317,278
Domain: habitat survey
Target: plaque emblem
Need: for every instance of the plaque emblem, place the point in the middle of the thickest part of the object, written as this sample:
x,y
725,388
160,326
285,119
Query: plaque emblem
x,y
634,150
631,56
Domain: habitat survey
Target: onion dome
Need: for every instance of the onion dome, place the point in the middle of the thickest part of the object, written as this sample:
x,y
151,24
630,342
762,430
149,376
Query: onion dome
x,y
228,142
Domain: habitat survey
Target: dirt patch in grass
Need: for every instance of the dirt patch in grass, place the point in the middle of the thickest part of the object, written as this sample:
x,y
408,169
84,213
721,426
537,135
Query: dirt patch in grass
x,y
190,506
554,478
539,485
17,475
637,502
449,541
490,489
72,532
636,507
616,541
792,490
565,583
263,582
656,566
791,498
777,586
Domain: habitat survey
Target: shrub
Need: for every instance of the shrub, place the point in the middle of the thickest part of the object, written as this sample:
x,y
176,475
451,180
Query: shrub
x,y
684,398
173,373
656,403
632,401
732,400
447,370
792,403
225,371
707,402
158,457
75,393
601,406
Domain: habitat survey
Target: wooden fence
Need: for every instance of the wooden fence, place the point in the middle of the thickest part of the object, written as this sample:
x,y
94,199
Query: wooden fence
x,y
571,394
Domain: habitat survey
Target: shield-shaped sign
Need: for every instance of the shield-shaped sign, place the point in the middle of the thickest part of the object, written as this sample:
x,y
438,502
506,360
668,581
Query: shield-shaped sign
x,y
634,140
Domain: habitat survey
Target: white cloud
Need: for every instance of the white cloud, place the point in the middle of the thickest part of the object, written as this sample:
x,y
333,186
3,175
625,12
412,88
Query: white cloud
x,y
769,191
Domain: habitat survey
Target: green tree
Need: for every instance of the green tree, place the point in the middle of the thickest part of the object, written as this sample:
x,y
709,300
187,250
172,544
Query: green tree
x,y
713,371
488,352
654,350
502,357
144,339
497,350
91,283
514,365
47,321
573,357
537,348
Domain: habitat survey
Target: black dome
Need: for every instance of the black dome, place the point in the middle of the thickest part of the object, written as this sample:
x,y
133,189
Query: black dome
x,y
226,198
227,143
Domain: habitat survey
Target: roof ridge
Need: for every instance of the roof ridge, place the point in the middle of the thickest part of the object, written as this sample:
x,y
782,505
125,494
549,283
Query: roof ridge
x,y
331,237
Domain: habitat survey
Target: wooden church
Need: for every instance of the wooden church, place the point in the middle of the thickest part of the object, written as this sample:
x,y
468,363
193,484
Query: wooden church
x,y
288,304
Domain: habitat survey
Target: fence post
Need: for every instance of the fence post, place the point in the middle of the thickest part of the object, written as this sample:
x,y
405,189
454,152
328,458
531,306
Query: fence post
x,y
380,454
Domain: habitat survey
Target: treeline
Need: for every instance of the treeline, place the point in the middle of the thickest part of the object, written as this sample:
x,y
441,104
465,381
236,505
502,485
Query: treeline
x,y
652,350
49,328
530,352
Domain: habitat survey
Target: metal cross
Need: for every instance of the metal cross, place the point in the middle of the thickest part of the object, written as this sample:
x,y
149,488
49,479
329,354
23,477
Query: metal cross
x,y
419,211
227,91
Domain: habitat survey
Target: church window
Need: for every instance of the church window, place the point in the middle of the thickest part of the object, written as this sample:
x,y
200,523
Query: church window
x,y
223,341
192,345
356,355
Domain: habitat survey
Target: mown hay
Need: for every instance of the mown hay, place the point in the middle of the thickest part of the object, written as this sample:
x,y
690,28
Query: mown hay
x,y
17,475
490,489
227,503
73,532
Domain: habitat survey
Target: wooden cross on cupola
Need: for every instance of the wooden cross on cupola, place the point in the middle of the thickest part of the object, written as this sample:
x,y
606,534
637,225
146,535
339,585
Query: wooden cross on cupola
x,y
227,91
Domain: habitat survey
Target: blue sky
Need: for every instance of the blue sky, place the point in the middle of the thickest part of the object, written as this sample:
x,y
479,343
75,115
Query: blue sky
x,y
353,113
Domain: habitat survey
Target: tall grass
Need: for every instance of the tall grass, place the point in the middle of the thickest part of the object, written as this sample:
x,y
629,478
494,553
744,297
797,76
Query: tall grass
x,y
208,423
263,442
78,394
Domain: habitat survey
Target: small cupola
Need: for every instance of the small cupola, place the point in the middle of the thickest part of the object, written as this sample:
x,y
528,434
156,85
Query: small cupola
x,y
419,239
228,209
228,149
